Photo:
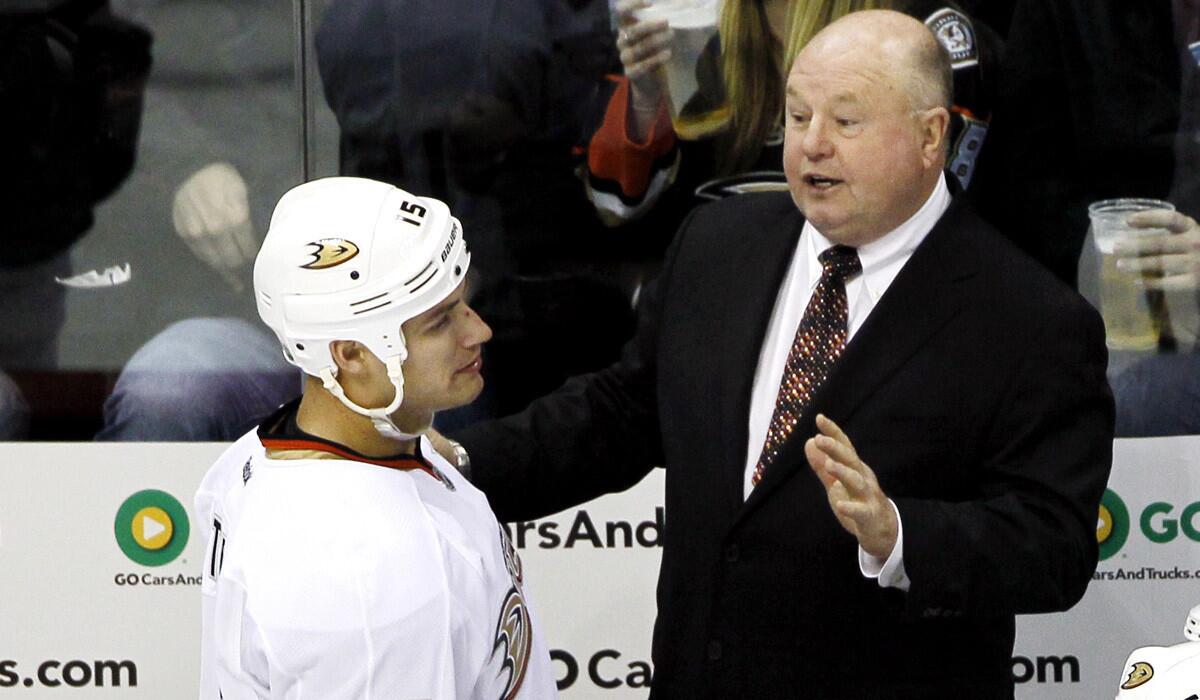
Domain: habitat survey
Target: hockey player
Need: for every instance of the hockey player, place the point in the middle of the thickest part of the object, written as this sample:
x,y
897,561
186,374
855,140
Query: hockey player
x,y
346,559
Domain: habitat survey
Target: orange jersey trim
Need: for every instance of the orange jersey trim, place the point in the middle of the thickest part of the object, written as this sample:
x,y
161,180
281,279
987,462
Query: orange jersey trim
x,y
958,109
401,463
614,157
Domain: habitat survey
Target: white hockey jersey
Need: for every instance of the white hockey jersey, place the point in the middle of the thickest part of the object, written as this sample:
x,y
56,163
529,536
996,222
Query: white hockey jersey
x,y
345,578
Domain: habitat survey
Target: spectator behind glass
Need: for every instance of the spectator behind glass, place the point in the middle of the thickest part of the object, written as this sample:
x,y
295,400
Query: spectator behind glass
x,y
1101,126
481,104
1077,120
71,82
220,146
478,105
639,169
1160,395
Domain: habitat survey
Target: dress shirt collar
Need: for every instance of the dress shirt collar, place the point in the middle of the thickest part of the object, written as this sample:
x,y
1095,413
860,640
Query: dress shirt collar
x,y
882,258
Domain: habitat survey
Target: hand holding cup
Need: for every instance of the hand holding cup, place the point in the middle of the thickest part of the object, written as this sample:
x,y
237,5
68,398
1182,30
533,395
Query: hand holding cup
x,y
645,47
1167,261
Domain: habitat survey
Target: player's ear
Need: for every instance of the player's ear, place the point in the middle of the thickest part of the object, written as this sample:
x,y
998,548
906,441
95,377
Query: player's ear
x,y
348,355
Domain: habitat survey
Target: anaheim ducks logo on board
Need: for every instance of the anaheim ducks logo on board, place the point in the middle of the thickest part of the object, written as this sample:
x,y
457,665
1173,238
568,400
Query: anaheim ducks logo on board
x,y
1140,674
514,641
330,252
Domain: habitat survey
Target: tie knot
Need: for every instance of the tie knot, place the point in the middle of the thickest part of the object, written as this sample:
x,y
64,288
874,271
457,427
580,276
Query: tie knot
x,y
840,261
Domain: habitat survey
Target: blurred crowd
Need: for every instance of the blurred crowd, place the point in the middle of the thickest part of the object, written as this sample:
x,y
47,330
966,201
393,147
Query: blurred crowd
x,y
145,141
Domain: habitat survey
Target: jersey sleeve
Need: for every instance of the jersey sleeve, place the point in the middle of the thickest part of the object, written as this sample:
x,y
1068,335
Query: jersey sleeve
x,y
240,670
214,549
625,178
212,523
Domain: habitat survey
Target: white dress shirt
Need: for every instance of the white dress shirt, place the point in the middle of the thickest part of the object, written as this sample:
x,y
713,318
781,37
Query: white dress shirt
x,y
881,260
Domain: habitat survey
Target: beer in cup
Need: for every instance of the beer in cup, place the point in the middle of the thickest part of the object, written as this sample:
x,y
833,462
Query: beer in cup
x,y
1129,322
695,88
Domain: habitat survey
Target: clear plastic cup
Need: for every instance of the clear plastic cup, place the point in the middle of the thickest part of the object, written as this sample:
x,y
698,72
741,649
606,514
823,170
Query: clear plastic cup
x,y
696,93
1129,319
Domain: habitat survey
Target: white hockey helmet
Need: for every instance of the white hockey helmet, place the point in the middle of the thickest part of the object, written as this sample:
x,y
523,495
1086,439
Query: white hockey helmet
x,y
1162,673
352,259
1165,673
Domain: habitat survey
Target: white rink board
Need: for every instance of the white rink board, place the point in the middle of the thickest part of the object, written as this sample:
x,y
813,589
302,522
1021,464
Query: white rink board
x,y
1159,584
591,572
59,561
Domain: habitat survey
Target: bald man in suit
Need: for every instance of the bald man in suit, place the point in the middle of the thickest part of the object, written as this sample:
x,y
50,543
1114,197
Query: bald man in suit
x,y
885,430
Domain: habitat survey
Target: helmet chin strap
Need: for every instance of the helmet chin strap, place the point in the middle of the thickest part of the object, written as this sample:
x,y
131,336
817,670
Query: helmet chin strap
x,y
381,418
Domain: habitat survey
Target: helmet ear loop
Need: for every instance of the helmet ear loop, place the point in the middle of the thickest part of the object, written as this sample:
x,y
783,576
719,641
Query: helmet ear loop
x,y
331,385
381,418
396,376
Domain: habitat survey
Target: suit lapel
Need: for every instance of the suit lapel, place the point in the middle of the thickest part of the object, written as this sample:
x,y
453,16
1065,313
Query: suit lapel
x,y
760,266
919,302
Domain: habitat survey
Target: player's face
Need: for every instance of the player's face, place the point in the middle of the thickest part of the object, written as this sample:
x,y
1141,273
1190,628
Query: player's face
x,y
444,361
854,152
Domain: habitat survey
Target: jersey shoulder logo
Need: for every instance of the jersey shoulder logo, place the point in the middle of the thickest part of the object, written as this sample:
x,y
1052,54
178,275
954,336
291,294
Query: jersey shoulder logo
x,y
514,641
954,31
247,472
437,474
330,252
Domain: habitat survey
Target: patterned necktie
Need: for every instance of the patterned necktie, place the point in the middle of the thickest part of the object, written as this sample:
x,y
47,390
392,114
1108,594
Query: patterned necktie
x,y
819,341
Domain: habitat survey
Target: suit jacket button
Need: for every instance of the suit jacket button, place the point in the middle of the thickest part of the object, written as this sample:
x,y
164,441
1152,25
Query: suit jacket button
x,y
714,650
732,553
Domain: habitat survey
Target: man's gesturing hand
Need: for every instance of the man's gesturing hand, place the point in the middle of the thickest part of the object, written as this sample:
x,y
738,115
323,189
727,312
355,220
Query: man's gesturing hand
x,y
854,494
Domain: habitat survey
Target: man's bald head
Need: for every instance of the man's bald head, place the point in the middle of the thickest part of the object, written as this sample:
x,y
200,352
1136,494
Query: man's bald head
x,y
902,46
865,128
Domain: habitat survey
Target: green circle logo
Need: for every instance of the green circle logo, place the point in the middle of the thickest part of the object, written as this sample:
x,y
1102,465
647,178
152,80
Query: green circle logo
x,y
1112,529
151,527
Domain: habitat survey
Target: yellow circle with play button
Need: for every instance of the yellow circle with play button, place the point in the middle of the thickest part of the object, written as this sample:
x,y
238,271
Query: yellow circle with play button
x,y
1105,525
152,528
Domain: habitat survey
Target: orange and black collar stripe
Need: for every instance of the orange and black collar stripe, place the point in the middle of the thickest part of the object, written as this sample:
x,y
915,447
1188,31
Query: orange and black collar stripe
x,y
280,431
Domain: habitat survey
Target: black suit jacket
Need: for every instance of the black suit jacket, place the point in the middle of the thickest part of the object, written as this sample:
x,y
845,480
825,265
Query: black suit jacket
x,y
975,390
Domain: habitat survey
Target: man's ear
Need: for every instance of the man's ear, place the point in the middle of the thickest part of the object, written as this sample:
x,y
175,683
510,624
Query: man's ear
x,y
348,355
935,129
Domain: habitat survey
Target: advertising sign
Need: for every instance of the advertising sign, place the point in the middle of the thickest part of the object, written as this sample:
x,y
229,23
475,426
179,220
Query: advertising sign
x,y
100,568
1147,580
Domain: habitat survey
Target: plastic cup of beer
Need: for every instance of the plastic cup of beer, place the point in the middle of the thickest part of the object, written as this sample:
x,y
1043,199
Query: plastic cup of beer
x,y
1129,322
696,92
